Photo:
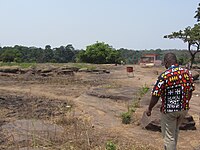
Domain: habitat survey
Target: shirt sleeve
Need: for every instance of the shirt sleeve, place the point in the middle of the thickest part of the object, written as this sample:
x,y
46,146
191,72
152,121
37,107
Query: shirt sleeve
x,y
158,88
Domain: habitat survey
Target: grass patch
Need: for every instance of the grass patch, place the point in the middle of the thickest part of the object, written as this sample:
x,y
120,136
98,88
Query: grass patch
x,y
143,90
126,117
84,65
21,65
110,146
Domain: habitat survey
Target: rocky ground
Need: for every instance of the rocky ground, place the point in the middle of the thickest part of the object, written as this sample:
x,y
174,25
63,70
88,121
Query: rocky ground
x,y
63,108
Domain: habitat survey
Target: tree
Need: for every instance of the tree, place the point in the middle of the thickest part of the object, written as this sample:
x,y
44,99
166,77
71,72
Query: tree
x,y
48,47
8,55
128,56
81,56
99,53
47,54
64,54
189,35
70,53
59,54
197,15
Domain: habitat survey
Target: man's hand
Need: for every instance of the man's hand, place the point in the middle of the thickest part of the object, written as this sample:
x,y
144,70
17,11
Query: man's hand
x,y
148,112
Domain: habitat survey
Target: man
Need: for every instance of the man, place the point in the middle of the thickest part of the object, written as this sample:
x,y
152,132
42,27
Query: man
x,y
175,87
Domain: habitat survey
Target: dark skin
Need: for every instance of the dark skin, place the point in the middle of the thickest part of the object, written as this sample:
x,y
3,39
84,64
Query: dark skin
x,y
154,99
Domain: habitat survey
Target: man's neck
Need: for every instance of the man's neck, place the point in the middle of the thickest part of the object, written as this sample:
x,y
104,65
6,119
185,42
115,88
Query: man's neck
x,y
173,65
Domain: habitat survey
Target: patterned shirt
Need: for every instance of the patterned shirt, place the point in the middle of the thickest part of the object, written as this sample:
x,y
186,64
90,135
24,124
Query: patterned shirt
x,y
175,87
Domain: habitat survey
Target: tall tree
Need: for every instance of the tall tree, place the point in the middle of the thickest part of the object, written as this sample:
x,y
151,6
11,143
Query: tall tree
x,y
189,35
59,54
70,53
47,54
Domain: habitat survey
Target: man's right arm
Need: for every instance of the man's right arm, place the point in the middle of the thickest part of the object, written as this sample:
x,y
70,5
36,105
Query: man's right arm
x,y
156,93
153,102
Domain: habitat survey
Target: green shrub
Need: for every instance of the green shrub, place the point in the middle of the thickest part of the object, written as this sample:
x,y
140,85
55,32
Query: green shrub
x,y
126,117
110,146
144,90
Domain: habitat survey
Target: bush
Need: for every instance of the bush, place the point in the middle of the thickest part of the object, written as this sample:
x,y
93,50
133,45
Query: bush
x,y
126,117
110,146
144,90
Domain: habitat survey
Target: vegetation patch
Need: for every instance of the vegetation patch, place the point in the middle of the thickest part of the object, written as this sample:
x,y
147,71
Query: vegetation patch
x,y
110,146
21,65
143,90
127,116
84,65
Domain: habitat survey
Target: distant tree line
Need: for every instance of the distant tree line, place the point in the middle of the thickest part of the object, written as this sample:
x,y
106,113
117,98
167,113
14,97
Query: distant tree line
x,y
98,53
19,54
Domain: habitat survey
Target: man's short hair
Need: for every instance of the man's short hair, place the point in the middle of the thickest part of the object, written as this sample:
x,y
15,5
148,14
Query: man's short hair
x,y
170,57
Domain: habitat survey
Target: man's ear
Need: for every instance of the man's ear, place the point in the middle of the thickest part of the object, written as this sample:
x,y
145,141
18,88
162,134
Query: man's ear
x,y
166,65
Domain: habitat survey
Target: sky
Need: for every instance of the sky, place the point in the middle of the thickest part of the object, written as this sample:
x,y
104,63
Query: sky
x,y
131,24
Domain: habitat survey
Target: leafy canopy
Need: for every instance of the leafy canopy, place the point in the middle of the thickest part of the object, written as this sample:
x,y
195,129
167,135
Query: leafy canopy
x,y
99,53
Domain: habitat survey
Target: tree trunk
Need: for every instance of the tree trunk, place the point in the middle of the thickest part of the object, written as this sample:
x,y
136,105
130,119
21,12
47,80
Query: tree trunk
x,y
192,59
189,49
192,55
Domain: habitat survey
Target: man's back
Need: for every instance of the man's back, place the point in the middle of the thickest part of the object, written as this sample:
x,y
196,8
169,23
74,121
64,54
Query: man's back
x,y
174,86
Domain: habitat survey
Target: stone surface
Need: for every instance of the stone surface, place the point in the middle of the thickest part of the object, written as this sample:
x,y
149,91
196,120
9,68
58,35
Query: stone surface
x,y
114,93
27,131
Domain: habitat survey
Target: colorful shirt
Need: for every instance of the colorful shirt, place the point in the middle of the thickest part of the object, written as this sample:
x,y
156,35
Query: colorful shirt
x,y
175,87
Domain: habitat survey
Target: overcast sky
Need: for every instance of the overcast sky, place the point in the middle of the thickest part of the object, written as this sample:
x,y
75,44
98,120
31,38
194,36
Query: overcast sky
x,y
132,24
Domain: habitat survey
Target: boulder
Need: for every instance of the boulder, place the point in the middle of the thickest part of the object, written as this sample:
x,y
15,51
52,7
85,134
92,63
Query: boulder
x,y
195,75
188,124
84,70
75,69
100,71
65,72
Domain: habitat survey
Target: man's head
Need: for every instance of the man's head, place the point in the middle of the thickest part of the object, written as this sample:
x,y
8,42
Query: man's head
x,y
170,59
